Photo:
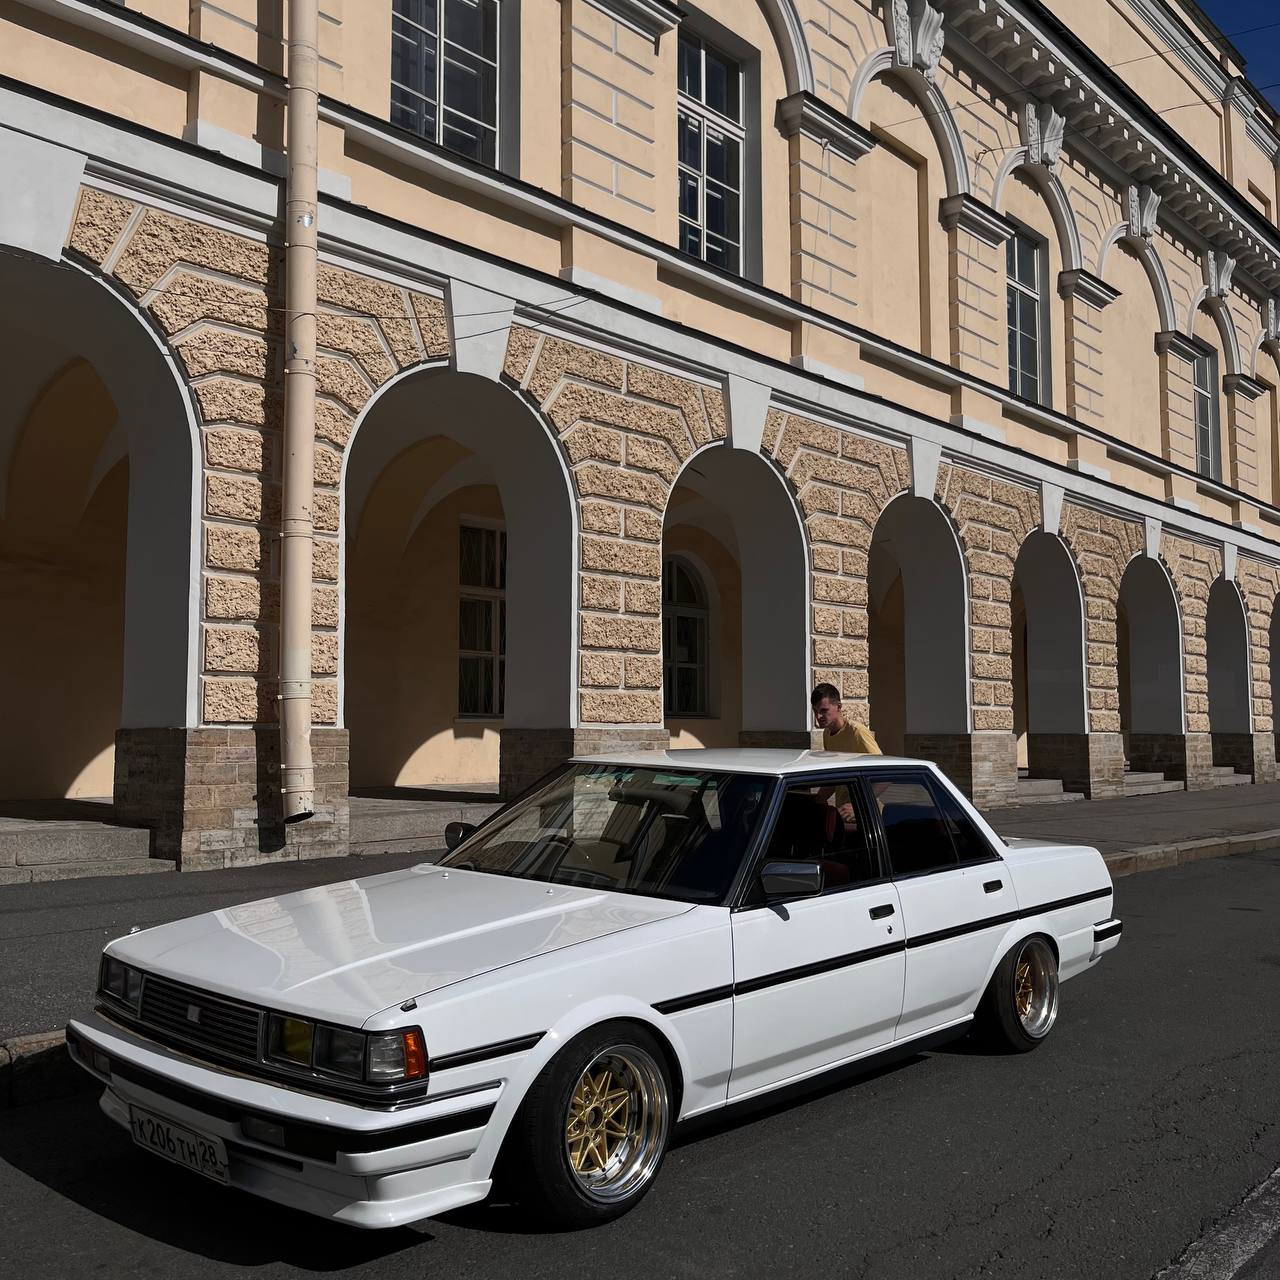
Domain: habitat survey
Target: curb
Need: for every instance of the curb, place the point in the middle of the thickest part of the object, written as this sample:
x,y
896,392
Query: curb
x,y
37,1068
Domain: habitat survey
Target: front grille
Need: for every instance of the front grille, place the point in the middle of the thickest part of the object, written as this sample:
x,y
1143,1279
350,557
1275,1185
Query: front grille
x,y
223,1026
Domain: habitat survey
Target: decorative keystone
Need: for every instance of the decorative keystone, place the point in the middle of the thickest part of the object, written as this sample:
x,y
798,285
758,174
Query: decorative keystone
x,y
1042,128
1141,207
916,32
1218,270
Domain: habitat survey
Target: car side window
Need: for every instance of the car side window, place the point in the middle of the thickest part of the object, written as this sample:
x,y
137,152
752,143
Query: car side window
x,y
915,830
823,824
971,845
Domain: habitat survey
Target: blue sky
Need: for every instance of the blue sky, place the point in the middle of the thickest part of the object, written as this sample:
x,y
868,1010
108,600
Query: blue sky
x,y
1261,49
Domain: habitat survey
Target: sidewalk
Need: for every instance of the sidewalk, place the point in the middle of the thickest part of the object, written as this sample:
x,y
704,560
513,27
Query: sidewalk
x,y
51,934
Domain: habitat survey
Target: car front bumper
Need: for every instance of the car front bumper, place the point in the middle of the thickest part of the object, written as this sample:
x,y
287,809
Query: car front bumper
x,y
364,1167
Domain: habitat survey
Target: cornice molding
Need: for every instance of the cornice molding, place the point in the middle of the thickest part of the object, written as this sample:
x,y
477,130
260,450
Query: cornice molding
x,y
803,113
1240,384
1087,287
967,213
1171,342
652,18
1024,45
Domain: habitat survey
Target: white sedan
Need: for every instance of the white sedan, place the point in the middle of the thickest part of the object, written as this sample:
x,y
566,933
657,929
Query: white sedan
x,y
643,939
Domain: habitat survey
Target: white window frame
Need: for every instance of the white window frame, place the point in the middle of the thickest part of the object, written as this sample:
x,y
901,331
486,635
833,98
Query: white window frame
x,y
1204,399
702,662
709,118
1038,295
497,595
437,134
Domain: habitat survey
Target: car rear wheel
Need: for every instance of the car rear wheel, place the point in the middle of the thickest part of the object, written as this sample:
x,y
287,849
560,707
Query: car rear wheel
x,y
591,1133
1020,1005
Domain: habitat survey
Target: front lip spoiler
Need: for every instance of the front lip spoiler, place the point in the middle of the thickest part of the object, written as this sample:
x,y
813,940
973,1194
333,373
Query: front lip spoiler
x,y
302,1137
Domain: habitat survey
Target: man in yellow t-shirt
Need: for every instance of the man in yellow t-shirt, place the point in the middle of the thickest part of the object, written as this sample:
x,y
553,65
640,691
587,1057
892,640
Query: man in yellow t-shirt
x,y
839,734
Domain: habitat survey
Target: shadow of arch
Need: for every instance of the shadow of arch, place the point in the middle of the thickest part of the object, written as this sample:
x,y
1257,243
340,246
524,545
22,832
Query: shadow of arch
x,y
434,420
761,525
59,321
1050,700
918,625
1150,660
1227,644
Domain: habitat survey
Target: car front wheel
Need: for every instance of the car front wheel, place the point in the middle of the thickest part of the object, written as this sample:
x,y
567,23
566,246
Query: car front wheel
x,y
591,1133
1020,1005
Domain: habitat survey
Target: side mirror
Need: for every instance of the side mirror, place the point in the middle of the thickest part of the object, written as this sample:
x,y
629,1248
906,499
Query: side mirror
x,y
791,880
456,832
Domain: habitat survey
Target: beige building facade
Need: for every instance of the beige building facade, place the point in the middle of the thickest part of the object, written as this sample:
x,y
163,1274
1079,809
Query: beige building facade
x,y
669,362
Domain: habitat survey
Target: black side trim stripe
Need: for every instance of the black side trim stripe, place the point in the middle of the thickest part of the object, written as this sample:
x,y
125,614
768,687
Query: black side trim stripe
x,y
681,1003
482,1053
715,994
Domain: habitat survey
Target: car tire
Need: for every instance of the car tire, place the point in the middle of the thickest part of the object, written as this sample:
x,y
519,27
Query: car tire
x,y
591,1133
1020,1005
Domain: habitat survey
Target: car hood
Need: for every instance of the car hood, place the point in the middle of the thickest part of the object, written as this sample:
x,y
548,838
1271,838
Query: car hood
x,y
345,951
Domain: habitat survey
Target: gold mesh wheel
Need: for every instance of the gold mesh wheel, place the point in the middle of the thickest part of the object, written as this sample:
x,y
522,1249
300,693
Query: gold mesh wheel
x,y
616,1123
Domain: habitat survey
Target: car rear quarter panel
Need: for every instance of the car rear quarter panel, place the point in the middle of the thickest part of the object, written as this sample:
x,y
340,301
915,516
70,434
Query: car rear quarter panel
x,y
562,994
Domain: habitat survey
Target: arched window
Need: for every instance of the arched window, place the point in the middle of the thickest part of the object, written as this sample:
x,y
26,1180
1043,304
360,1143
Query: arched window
x,y
685,625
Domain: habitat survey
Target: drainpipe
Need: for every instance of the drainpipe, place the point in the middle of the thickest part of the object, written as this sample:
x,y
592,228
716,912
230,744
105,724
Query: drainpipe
x,y
297,773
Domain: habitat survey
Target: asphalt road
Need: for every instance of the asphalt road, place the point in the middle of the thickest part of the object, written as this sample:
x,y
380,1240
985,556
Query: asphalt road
x,y
1146,1118
52,934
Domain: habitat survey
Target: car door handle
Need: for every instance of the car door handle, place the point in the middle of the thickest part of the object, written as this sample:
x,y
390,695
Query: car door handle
x,y
879,913
993,886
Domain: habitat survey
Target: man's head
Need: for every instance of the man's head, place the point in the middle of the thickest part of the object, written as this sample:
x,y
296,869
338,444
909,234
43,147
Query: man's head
x,y
827,712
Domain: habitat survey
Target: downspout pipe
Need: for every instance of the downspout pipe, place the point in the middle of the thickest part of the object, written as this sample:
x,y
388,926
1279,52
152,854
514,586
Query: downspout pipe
x,y
297,770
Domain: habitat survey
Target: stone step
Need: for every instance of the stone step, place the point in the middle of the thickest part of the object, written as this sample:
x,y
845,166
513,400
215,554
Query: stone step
x,y
1148,784
27,843
1044,791
77,870
1226,776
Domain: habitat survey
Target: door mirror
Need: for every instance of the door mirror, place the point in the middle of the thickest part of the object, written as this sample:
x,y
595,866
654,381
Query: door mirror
x,y
791,880
456,832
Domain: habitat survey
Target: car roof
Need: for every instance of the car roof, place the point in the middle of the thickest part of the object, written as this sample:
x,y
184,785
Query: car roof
x,y
767,760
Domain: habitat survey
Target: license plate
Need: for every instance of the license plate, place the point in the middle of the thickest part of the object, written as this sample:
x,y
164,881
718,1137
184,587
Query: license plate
x,y
191,1150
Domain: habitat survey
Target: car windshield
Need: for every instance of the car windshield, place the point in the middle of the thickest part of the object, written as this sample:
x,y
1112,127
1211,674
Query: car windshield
x,y
665,833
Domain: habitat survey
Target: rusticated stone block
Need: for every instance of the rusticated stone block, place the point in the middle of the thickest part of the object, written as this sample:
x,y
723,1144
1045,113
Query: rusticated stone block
x,y
235,649
643,597
100,218
601,593
643,525
241,600
613,631
615,556
601,669
234,450
233,547
242,498
601,517
161,239
621,708
211,350
324,607
643,673
248,403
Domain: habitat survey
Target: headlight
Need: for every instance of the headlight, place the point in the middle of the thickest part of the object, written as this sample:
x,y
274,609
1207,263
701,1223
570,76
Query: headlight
x,y
120,981
385,1058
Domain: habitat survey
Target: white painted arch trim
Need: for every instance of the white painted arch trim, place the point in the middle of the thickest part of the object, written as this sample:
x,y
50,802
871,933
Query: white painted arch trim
x,y
793,47
1055,196
937,112
1149,256
1220,312
520,404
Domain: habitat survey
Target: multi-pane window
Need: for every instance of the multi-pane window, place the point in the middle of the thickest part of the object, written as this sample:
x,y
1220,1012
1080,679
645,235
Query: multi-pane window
x,y
684,641
482,621
444,73
1025,271
1205,395
710,154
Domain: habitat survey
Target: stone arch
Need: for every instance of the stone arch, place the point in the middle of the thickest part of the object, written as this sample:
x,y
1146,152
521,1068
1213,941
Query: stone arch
x,y
1052,654
1225,324
933,107
734,498
1055,197
422,427
1227,656
919,628
1146,253
793,47
1151,670
62,315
